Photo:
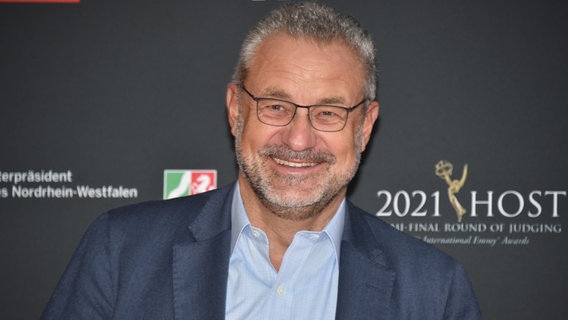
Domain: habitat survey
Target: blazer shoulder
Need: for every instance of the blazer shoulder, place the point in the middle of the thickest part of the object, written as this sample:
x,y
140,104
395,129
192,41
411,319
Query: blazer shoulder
x,y
186,208
163,218
426,280
398,246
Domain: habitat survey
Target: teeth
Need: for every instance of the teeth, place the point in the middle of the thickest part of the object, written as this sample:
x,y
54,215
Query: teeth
x,y
294,164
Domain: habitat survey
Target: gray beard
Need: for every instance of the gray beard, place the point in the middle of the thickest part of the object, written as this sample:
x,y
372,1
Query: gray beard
x,y
268,195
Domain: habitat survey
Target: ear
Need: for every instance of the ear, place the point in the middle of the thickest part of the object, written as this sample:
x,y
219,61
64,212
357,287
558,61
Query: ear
x,y
370,118
233,106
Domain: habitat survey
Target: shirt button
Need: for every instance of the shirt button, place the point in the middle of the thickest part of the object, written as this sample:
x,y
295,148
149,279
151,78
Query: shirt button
x,y
280,291
255,234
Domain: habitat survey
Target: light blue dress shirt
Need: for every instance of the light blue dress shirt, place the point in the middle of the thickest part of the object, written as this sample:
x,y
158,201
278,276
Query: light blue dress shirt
x,y
305,287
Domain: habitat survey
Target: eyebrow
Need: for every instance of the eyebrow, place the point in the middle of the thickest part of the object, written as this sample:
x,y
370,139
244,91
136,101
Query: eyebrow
x,y
272,92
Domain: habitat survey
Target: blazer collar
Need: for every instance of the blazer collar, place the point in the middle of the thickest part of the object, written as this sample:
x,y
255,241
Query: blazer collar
x,y
364,273
201,260
365,278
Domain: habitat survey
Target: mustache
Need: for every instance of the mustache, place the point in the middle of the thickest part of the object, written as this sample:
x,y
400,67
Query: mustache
x,y
310,155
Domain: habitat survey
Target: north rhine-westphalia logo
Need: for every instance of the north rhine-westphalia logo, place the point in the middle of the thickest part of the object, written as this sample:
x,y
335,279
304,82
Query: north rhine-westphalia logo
x,y
178,183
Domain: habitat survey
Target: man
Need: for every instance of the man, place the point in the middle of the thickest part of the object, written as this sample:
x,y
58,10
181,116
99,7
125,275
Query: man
x,y
283,242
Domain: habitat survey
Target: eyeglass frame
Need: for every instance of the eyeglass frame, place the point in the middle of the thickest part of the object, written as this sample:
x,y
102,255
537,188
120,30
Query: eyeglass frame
x,y
296,106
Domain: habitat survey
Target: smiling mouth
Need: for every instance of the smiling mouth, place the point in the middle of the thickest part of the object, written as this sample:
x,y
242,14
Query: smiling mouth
x,y
289,158
294,164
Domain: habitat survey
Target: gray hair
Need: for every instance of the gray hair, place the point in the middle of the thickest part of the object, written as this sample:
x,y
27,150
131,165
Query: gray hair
x,y
313,21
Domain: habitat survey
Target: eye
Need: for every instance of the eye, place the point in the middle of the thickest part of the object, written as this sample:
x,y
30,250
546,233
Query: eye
x,y
328,113
275,108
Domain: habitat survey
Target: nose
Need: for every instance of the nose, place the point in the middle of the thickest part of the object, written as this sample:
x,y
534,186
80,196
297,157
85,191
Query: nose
x,y
299,134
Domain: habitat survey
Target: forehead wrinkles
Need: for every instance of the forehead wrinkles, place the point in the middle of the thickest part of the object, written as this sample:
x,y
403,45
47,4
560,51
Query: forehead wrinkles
x,y
296,69
277,93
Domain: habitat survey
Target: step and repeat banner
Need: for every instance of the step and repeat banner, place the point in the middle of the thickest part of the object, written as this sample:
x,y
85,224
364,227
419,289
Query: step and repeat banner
x,y
105,103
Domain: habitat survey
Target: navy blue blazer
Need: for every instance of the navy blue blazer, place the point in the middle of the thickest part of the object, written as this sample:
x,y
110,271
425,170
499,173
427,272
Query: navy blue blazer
x,y
169,260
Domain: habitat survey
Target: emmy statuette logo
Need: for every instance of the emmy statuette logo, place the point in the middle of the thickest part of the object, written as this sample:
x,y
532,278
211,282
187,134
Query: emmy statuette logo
x,y
444,170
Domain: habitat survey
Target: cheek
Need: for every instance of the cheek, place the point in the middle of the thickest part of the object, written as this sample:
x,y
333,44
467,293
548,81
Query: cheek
x,y
343,148
257,135
348,156
348,147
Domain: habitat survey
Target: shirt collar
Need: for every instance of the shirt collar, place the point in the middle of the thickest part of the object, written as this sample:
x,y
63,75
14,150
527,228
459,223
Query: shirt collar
x,y
240,220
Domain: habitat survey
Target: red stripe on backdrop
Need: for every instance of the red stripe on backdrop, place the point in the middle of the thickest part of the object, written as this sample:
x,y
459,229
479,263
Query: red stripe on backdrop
x,y
42,1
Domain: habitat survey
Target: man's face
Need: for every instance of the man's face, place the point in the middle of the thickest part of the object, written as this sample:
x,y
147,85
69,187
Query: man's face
x,y
295,170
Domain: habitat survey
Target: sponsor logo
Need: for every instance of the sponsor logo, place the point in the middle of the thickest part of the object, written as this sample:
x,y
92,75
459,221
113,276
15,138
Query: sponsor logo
x,y
444,170
178,183
51,184
480,217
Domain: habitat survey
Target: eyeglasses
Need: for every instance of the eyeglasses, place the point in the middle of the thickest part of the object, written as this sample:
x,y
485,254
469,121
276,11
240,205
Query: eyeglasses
x,y
279,113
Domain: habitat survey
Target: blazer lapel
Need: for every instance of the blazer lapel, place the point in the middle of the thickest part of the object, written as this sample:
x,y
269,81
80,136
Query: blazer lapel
x,y
365,279
201,262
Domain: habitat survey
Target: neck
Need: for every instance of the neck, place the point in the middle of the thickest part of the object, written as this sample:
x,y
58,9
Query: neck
x,y
279,230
